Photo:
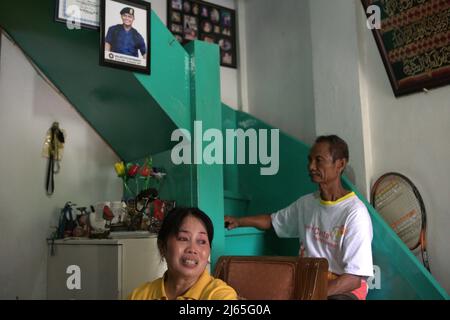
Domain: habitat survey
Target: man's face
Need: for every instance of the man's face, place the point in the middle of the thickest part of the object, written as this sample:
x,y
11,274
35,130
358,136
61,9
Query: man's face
x,y
127,19
321,167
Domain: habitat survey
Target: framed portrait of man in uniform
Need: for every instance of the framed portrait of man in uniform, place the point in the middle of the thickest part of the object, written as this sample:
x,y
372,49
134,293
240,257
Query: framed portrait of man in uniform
x,y
125,35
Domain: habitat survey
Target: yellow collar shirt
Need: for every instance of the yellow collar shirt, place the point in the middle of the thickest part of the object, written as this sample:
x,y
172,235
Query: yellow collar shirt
x,y
206,288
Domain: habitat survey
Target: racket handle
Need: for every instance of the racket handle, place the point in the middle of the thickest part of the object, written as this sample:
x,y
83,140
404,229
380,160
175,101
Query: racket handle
x,y
425,260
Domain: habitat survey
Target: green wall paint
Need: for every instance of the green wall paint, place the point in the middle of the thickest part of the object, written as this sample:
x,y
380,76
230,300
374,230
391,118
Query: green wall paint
x,y
230,171
206,107
169,83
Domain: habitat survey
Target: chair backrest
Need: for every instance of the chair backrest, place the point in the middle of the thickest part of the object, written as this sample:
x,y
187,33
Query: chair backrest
x,y
275,278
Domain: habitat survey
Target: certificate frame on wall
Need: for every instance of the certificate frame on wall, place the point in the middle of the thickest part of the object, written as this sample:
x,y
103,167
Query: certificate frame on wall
x,y
199,20
82,13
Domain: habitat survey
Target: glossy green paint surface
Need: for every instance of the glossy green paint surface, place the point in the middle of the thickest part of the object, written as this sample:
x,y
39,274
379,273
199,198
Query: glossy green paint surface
x,y
112,101
230,171
268,193
206,107
169,83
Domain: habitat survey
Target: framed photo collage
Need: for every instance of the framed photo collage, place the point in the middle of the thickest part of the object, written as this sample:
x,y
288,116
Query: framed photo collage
x,y
198,20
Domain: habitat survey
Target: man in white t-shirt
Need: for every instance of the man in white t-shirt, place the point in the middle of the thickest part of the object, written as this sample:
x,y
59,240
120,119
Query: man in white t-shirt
x,y
331,223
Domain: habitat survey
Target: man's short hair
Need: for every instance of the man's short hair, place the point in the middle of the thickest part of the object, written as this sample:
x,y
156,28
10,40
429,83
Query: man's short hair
x,y
127,10
338,147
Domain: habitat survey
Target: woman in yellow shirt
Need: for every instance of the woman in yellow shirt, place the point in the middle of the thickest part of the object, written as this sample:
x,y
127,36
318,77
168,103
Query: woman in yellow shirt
x,y
184,241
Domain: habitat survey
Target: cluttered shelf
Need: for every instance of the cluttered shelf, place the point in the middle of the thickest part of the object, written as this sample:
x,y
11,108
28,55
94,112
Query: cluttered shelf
x,y
113,238
138,215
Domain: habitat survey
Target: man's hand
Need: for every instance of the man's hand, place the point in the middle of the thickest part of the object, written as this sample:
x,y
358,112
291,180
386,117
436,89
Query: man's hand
x,y
261,222
231,222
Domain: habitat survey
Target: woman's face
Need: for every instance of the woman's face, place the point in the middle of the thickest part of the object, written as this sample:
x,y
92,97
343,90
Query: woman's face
x,y
188,251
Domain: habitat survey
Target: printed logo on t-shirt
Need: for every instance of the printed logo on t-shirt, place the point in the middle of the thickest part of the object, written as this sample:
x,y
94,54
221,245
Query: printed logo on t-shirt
x,y
330,238
337,233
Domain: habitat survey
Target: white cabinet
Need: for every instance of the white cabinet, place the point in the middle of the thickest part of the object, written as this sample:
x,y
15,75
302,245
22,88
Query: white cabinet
x,y
101,269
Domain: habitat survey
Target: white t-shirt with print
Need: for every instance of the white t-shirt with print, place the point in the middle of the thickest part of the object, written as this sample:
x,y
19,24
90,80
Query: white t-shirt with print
x,y
340,231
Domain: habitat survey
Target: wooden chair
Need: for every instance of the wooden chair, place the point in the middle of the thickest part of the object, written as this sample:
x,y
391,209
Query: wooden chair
x,y
275,278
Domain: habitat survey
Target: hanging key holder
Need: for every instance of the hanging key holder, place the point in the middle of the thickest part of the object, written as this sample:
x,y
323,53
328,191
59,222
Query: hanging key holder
x,y
53,148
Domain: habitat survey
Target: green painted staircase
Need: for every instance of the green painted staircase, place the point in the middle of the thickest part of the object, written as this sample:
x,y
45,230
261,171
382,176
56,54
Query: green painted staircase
x,y
136,115
113,101
401,275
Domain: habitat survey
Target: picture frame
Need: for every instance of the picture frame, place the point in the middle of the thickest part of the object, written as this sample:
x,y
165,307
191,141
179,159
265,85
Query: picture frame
x,y
125,35
83,13
414,61
199,20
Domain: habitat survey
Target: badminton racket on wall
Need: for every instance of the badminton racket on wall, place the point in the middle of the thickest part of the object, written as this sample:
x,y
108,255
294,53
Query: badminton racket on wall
x,y
398,201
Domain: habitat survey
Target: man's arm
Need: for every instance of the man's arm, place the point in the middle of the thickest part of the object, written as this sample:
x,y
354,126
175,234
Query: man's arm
x,y
357,253
343,284
109,39
141,46
262,222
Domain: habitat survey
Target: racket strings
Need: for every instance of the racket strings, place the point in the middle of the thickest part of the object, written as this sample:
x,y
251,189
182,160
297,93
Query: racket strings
x,y
396,201
387,194
401,206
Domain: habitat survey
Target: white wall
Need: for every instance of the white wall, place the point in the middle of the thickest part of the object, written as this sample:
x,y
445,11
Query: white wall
x,y
228,76
28,107
410,135
277,83
336,80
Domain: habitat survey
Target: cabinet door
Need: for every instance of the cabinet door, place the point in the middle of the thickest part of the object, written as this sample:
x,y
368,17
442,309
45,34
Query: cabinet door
x,y
141,263
84,272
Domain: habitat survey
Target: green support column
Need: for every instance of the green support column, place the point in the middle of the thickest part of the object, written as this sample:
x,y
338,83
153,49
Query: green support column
x,y
207,108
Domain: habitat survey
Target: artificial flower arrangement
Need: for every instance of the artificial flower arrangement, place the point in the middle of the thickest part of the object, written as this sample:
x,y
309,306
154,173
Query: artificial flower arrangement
x,y
145,209
141,174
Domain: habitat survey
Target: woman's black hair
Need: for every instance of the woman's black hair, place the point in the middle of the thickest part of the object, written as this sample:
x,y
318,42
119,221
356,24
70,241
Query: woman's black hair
x,y
173,220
